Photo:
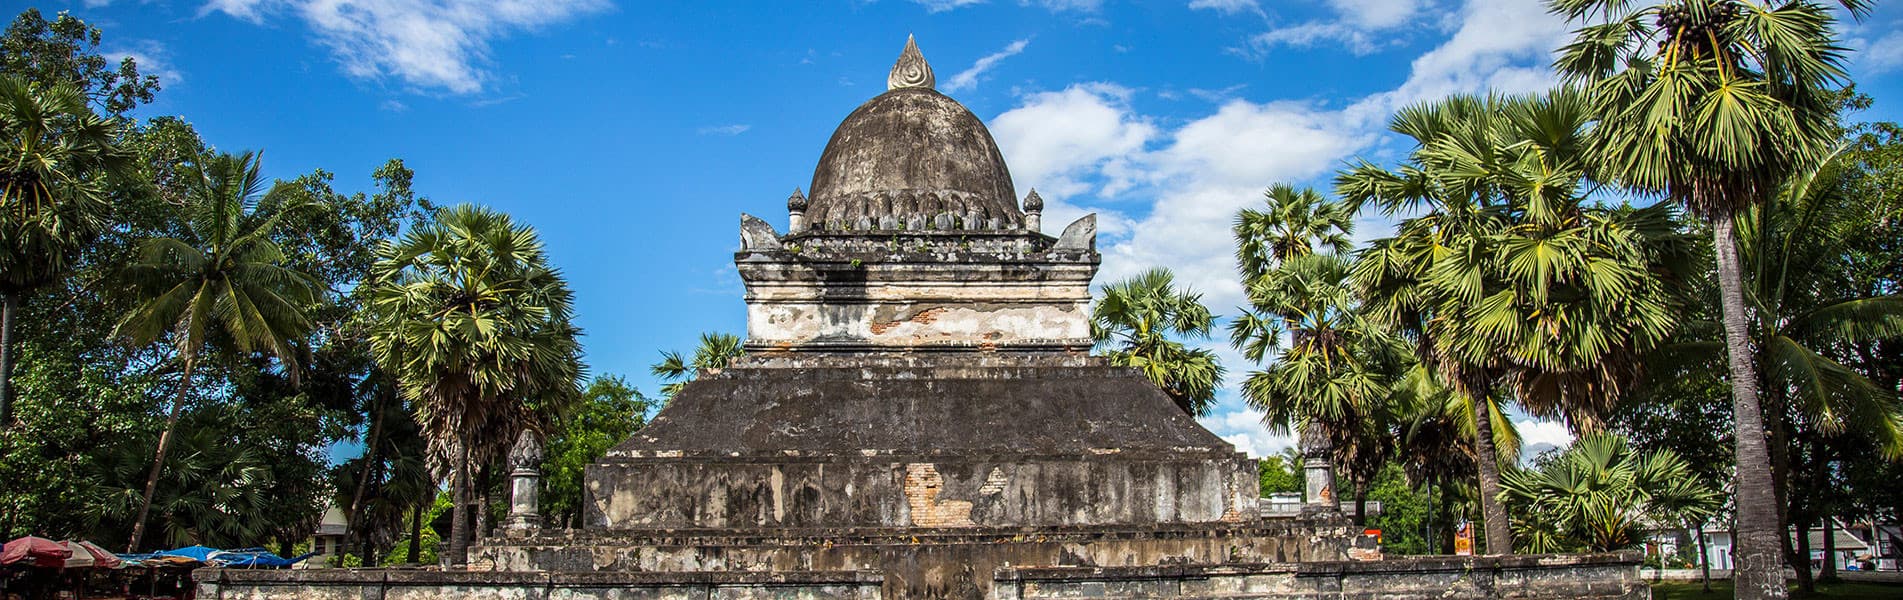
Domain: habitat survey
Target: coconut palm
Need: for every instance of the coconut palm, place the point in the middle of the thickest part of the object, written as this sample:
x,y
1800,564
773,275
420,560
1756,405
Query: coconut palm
x,y
1508,278
1137,323
475,327
225,282
1599,494
715,352
1713,104
55,157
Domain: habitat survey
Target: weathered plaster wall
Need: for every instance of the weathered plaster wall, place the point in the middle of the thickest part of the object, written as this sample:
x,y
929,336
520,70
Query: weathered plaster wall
x,y
901,491
1537,577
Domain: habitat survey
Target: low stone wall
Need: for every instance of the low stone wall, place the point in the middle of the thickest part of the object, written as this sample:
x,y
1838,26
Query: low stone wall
x,y
1613,576
416,584
1610,576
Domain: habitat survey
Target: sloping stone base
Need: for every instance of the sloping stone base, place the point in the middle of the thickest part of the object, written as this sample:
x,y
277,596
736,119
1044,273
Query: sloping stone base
x,y
1538,577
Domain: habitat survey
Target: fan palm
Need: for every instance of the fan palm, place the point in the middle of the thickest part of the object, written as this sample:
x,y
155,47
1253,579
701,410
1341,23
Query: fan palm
x,y
475,327
226,281
1600,493
715,352
55,156
1713,104
1136,323
1508,277
1293,222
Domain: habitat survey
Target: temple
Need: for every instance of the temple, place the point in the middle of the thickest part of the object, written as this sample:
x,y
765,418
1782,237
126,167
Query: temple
x,y
918,416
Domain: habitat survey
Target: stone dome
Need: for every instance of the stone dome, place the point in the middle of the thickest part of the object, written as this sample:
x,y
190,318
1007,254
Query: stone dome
x,y
912,159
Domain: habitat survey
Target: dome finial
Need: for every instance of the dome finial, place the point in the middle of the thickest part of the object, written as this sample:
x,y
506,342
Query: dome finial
x,y
911,70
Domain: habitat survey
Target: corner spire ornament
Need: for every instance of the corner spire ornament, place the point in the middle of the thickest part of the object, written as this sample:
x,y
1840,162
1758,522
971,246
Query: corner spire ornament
x,y
911,70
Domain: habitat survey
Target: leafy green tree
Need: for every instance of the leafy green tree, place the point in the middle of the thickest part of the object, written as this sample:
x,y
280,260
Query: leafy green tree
x,y
55,156
216,484
609,411
1599,495
226,282
66,51
1280,473
476,328
715,352
1137,323
1509,278
1714,104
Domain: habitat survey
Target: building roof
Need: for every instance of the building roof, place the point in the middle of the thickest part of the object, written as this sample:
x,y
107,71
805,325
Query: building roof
x,y
908,156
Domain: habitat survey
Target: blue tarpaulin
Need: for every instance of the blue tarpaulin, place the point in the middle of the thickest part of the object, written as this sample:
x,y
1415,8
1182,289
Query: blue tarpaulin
x,y
254,558
198,553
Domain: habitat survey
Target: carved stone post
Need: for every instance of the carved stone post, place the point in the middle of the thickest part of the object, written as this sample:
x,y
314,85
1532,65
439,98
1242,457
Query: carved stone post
x,y
525,460
1318,471
795,212
1033,212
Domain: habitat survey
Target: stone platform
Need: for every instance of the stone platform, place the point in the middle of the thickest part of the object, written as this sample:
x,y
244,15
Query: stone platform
x,y
1536,577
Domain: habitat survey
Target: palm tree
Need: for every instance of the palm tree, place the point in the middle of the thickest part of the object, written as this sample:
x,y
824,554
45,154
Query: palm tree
x,y
715,352
1293,223
226,282
1713,104
1600,493
1134,323
1509,278
55,157
475,327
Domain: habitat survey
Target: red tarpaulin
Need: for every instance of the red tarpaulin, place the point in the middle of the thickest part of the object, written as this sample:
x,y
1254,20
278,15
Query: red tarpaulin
x,y
35,551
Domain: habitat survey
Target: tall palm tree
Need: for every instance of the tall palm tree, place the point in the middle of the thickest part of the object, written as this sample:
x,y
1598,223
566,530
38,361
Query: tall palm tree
x,y
226,281
715,352
55,158
475,326
1510,278
1293,222
1136,324
1713,104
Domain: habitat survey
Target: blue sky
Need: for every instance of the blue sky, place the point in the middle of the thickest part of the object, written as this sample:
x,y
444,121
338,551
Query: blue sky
x,y
633,134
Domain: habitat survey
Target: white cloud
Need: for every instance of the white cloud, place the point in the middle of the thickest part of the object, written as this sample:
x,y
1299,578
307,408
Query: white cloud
x,y
152,59
1066,5
1883,55
1227,7
1360,26
248,10
1537,436
734,129
1244,429
945,5
969,77
427,44
1502,45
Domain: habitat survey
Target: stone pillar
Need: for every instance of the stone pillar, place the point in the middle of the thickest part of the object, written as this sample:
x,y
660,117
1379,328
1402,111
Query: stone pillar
x,y
1318,472
795,212
1033,212
525,476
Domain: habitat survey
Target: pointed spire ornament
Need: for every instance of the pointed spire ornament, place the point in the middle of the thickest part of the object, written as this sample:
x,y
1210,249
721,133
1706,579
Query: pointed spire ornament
x,y
911,70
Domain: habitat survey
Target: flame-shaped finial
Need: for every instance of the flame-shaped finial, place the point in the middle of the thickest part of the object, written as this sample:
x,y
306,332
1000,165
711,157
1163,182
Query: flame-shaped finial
x,y
911,70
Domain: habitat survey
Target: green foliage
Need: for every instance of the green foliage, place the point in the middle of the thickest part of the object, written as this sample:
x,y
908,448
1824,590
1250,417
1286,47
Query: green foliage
x,y
608,412
1599,495
1407,512
66,51
1138,322
715,352
1280,473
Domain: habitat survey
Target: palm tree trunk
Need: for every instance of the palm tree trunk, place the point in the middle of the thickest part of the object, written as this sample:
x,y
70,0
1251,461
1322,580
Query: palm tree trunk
x,y
1492,513
1802,561
165,445
458,554
9,304
1704,558
1361,504
370,453
1828,573
416,534
1758,573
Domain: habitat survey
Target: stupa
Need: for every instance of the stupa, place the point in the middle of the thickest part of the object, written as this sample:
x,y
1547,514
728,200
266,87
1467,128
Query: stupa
x,y
918,416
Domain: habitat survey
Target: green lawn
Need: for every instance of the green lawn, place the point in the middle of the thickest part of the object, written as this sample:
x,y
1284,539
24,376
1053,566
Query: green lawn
x,y
1722,589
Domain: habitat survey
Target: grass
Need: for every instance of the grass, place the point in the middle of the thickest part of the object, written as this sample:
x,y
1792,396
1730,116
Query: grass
x,y
1834,591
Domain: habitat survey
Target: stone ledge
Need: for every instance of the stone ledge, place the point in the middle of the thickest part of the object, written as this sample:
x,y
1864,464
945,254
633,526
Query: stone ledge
x,y
431,577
